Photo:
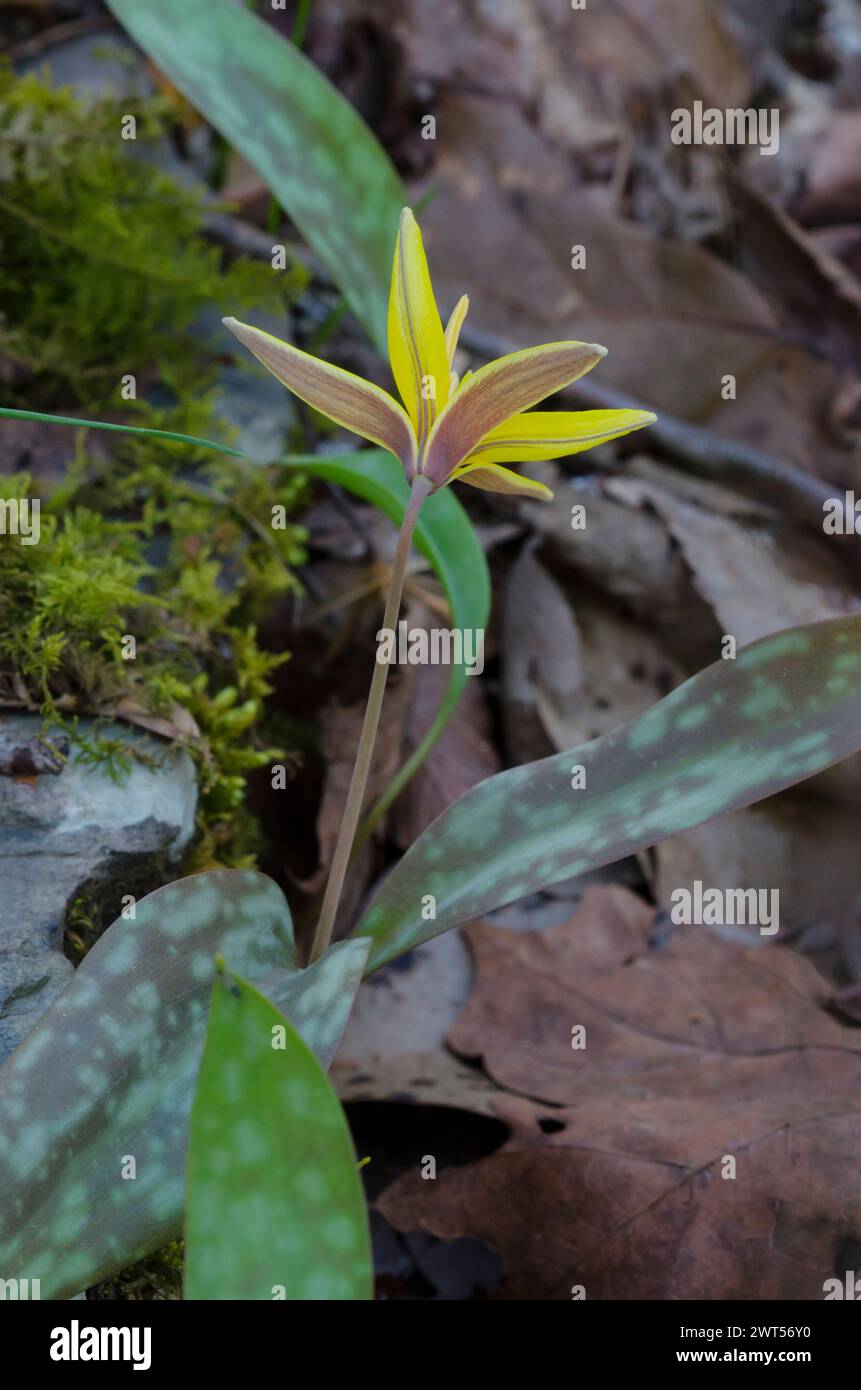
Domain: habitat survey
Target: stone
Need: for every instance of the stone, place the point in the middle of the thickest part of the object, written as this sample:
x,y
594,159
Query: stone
x,y
67,828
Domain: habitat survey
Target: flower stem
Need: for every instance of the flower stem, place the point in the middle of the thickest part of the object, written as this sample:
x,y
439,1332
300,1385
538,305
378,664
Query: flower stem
x,y
368,737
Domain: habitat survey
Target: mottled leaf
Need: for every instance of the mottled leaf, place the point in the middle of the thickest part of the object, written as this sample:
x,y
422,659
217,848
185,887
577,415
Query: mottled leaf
x,y
274,1202
787,707
102,1087
446,536
316,154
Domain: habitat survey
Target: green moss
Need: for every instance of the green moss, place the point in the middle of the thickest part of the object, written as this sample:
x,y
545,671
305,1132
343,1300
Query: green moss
x,y
68,603
104,264
104,268
82,926
157,1278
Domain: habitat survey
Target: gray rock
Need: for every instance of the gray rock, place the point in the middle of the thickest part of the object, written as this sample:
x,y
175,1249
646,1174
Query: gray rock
x,y
106,63
68,830
260,409
103,63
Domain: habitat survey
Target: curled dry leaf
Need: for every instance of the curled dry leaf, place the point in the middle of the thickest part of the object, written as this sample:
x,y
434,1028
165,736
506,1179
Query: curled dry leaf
x,y
178,723
646,575
756,579
394,1048
582,670
542,661
784,844
814,291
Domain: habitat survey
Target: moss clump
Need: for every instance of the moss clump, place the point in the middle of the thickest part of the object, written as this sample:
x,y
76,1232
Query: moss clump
x,y
69,604
103,267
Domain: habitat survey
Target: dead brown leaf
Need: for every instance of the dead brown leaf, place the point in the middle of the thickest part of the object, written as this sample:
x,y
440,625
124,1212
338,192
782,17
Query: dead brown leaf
x,y
394,1049
640,42
784,843
832,192
757,579
696,1053
813,290
758,576
542,661
177,723
574,666
628,555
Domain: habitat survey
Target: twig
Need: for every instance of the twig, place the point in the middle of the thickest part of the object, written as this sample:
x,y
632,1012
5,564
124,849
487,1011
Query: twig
x,y
247,240
58,33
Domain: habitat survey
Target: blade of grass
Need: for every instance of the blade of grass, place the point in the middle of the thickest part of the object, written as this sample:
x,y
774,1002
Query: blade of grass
x,y
119,429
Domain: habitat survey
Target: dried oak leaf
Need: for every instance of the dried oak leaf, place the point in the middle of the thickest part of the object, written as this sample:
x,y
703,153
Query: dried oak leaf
x,y
694,1052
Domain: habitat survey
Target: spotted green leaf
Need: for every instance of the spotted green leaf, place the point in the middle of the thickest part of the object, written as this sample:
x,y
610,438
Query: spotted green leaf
x,y
274,1203
94,1103
787,707
325,167
447,537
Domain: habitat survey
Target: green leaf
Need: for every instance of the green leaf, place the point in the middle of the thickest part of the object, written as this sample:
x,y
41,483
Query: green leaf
x,y
447,537
107,1075
788,706
318,157
120,429
274,1203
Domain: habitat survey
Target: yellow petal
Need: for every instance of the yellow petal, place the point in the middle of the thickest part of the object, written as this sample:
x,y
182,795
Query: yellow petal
x,y
453,327
416,340
552,434
347,399
494,393
492,478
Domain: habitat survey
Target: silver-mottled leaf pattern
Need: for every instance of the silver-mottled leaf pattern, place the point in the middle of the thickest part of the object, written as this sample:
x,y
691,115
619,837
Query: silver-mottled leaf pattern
x,y
786,707
107,1075
274,1205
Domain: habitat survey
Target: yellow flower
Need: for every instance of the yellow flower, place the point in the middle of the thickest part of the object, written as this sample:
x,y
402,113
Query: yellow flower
x,y
448,429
